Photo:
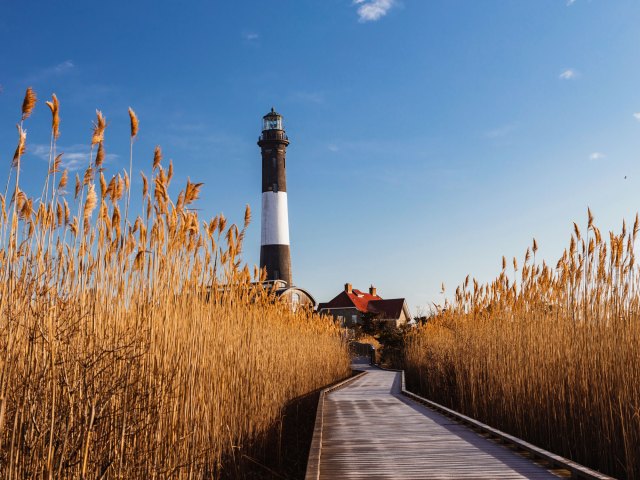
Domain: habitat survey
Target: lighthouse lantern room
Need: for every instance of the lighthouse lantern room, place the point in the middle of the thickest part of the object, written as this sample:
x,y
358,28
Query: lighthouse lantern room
x,y
272,121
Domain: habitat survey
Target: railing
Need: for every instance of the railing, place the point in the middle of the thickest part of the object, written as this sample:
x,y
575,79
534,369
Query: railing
x,y
554,461
273,135
313,462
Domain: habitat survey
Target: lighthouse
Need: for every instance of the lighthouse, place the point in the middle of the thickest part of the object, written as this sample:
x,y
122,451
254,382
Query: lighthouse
x,y
275,253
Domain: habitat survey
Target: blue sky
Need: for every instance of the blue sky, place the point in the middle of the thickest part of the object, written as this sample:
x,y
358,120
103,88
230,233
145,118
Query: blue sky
x,y
429,137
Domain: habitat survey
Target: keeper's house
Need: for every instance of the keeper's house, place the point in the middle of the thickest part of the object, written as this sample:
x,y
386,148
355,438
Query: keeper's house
x,y
350,305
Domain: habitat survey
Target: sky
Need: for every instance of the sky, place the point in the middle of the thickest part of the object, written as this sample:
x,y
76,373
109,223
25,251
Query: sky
x,y
428,137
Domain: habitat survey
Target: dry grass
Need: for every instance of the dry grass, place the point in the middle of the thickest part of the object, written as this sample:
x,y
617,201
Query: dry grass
x,y
552,357
369,340
121,353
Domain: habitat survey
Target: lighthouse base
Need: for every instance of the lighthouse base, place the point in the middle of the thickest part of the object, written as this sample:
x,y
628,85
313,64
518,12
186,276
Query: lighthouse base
x,y
277,260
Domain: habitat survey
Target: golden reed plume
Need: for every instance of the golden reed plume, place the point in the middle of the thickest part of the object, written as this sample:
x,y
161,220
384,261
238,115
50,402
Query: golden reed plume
x,y
56,163
157,157
54,106
98,128
133,122
28,103
100,155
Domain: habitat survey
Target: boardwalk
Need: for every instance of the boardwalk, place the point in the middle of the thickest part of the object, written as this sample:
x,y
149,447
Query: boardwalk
x,y
371,431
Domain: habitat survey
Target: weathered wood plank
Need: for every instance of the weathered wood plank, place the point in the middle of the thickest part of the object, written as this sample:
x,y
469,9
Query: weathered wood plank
x,y
370,431
313,461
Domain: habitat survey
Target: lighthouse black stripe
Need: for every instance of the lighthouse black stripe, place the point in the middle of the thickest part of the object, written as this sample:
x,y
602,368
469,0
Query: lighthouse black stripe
x,y
277,260
274,175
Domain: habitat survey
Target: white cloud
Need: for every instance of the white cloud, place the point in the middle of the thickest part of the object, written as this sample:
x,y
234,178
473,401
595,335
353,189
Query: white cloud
x,y
568,74
597,156
75,157
64,66
333,147
570,2
636,116
54,71
250,36
500,132
372,10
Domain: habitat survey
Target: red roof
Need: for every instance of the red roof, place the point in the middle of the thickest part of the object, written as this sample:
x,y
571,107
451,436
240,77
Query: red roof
x,y
389,309
355,299
367,303
361,300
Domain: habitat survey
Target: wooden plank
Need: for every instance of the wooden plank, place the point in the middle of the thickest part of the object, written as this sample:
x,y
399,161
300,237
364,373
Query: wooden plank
x,y
313,461
370,430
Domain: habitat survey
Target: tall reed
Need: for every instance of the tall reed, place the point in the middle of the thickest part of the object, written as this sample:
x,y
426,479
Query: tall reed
x,y
548,354
142,347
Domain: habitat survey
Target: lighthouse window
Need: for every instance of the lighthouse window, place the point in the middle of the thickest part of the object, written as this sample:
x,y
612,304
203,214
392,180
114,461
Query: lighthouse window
x,y
273,161
272,123
295,301
275,187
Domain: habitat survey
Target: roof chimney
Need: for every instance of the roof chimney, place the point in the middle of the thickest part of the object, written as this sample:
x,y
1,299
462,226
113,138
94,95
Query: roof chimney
x,y
348,287
373,291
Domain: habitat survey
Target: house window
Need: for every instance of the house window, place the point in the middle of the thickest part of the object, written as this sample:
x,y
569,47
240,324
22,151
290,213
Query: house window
x,y
295,301
354,319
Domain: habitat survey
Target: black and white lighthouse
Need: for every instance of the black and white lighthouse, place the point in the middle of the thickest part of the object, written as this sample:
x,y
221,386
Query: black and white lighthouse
x,y
275,253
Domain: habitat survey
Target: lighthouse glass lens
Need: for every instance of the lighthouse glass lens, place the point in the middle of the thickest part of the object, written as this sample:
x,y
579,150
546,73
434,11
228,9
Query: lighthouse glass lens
x,y
274,123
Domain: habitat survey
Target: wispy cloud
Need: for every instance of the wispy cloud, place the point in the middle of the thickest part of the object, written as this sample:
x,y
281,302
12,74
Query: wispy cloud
x,y
373,10
597,156
570,2
203,140
500,132
250,36
53,71
568,74
636,116
332,147
75,157
63,67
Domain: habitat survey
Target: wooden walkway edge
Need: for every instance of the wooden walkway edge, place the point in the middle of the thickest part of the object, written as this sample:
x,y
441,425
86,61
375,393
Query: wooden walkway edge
x,y
371,427
577,470
313,463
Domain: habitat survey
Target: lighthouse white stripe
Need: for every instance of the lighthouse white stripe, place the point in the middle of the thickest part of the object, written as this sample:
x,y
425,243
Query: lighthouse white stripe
x,y
275,219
